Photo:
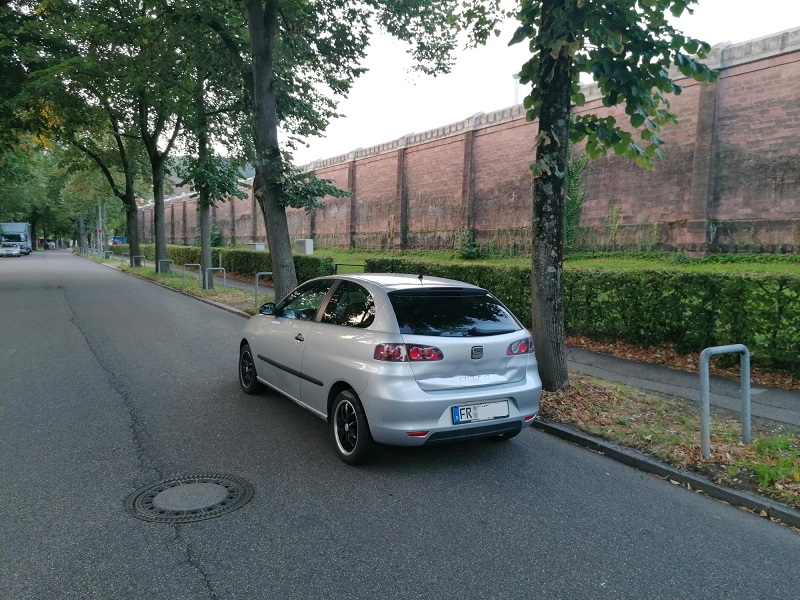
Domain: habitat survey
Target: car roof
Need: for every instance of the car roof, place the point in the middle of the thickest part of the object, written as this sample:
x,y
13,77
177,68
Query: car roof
x,y
404,281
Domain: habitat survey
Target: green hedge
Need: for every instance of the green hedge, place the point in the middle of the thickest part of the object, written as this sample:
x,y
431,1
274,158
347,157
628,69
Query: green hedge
x,y
511,284
238,261
691,310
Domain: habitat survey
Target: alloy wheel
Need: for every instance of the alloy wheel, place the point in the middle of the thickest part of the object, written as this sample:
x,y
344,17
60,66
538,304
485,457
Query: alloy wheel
x,y
346,427
246,368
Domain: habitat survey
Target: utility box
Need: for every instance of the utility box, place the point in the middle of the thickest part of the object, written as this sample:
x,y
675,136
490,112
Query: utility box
x,y
304,246
258,246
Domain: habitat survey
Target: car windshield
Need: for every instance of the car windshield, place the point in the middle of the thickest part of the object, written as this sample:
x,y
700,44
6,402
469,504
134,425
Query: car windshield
x,y
9,245
462,313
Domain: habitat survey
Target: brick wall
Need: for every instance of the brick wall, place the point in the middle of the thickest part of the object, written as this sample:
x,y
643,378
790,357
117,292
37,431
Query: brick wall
x,y
731,179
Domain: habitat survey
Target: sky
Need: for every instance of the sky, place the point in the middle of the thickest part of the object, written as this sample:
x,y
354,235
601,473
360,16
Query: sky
x,y
389,101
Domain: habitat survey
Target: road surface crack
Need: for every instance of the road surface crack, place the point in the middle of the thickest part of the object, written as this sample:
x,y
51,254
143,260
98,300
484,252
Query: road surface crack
x,y
135,424
191,561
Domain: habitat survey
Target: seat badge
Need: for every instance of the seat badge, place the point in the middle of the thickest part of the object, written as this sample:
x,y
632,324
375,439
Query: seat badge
x,y
477,352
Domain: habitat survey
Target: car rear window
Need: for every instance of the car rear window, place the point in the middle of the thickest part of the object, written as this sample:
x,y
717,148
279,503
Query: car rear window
x,y
462,313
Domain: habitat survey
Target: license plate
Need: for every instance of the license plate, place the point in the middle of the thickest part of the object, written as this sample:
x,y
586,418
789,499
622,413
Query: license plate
x,y
480,412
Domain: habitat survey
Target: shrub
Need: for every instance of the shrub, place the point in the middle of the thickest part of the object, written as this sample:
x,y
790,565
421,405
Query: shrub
x,y
691,310
239,261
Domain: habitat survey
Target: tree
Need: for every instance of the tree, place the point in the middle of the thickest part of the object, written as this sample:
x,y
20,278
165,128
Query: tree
x,y
21,180
298,57
628,46
156,76
73,58
50,187
218,117
80,195
117,157
214,179
13,75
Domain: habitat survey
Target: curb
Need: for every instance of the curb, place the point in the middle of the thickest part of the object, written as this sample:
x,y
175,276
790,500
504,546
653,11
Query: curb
x,y
644,462
224,307
760,505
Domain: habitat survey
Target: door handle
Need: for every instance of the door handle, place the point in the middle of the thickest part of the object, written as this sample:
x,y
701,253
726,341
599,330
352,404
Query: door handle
x,y
299,337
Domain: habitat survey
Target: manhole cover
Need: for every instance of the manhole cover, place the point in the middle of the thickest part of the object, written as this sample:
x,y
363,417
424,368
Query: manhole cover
x,y
186,499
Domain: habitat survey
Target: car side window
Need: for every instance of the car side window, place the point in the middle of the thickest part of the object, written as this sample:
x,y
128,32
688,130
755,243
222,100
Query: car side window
x,y
350,305
302,304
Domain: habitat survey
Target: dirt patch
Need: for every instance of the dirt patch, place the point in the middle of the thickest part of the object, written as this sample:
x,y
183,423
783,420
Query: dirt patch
x,y
669,429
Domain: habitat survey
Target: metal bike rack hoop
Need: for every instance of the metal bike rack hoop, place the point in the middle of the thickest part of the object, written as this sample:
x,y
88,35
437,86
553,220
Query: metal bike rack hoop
x,y
199,272
224,276
166,260
705,411
259,276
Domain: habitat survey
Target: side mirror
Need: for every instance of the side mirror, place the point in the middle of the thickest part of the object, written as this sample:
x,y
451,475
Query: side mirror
x,y
268,308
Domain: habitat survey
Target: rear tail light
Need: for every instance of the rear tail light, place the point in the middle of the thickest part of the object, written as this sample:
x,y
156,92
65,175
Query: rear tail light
x,y
406,353
524,346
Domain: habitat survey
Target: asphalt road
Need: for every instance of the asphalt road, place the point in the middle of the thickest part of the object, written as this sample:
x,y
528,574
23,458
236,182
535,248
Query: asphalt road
x,y
108,383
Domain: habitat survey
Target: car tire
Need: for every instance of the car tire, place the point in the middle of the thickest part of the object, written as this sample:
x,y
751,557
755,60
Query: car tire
x,y
350,433
247,372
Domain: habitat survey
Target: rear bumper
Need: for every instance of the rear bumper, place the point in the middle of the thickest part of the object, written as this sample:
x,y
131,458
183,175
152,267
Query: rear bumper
x,y
457,435
399,408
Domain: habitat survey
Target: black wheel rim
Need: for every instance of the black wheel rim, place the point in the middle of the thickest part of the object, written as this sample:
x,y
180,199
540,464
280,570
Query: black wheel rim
x,y
246,368
346,424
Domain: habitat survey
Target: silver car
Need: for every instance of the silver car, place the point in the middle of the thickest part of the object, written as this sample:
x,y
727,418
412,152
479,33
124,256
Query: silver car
x,y
9,249
395,359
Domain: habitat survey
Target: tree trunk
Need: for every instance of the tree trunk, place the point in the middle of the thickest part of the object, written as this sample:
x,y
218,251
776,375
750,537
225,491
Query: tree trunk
x,y
204,209
159,230
262,24
204,195
132,231
131,217
82,242
157,159
204,212
549,202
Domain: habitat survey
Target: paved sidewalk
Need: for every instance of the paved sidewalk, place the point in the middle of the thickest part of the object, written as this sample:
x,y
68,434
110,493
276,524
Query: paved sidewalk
x,y
768,403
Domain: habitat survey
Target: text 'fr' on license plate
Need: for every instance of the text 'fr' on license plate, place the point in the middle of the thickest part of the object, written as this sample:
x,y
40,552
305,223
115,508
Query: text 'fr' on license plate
x,y
480,412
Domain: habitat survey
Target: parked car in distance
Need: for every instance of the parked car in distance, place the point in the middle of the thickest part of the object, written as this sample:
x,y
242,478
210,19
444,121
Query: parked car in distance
x,y
395,359
9,249
23,249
